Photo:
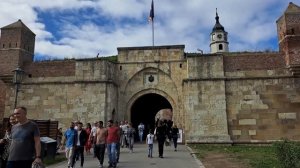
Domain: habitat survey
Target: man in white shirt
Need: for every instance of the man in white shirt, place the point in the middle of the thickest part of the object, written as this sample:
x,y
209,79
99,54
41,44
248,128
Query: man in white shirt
x,y
124,137
92,136
141,128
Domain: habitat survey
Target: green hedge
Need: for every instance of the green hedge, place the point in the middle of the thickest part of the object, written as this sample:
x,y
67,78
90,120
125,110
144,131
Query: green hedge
x,y
288,153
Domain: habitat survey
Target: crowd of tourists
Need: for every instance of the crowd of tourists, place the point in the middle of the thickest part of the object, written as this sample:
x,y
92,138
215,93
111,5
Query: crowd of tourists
x,y
111,139
21,146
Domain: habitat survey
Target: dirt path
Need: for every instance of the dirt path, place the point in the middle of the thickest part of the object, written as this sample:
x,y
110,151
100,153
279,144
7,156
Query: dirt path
x,y
221,160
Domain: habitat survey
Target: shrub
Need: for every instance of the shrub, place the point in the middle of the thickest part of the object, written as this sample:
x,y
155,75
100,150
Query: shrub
x,y
288,153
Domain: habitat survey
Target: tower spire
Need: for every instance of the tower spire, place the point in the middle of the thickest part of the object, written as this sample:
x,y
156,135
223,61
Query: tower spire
x,y
217,16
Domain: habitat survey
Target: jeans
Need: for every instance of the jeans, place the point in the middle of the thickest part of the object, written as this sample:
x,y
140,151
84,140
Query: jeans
x,y
118,151
130,143
141,136
112,154
150,149
100,150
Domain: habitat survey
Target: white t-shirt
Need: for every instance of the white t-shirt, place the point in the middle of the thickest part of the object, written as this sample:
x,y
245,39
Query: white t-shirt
x,y
124,128
150,138
141,128
93,131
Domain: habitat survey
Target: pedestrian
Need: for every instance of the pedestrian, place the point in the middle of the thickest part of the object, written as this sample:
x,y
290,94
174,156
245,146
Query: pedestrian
x,y
161,133
130,137
79,147
121,134
70,143
141,128
6,141
175,133
25,147
92,136
119,142
149,142
124,137
113,135
100,142
59,138
88,144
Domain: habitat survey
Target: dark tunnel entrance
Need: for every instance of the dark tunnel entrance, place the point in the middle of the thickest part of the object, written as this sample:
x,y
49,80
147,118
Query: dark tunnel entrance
x,y
145,108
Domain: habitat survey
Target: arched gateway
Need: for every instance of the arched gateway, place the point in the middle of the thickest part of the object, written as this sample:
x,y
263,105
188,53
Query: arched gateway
x,y
144,105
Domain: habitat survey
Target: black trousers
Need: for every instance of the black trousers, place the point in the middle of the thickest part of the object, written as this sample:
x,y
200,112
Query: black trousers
x,y
78,151
100,151
175,138
161,147
19,164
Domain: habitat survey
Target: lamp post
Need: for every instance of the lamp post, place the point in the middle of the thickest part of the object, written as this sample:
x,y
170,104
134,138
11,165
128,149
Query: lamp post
x,y
17,79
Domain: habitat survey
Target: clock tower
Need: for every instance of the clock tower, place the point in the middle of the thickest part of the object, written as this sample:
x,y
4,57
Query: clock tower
x,y
218,38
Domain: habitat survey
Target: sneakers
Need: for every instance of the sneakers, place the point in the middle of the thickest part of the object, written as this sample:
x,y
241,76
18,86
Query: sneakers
x,y
100,166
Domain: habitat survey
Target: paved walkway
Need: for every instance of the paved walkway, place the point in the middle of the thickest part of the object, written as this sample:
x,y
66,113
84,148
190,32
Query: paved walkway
x,y
137,159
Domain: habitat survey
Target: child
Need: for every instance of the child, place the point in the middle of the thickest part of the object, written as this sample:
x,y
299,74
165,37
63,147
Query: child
x,y
149,141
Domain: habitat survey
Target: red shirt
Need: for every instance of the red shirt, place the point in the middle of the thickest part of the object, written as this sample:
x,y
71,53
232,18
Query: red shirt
x,y
113,135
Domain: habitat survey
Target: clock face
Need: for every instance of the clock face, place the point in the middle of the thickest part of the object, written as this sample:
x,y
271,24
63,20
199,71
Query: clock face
x,y
219,36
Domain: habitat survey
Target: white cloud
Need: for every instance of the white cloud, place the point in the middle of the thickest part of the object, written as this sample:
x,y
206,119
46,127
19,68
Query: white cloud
x,y
123,23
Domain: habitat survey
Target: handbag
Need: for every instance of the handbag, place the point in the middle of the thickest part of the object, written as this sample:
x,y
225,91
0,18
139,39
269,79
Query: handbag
x,y
38,165
167,142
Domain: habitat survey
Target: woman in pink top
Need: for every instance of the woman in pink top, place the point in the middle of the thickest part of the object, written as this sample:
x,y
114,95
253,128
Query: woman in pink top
x,y
88,144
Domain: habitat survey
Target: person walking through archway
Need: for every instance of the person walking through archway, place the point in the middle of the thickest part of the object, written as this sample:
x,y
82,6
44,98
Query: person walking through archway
x,y
81,139
130,135
88,144
113,136
141,128
174,133
149,142
161,133
100,142
69,142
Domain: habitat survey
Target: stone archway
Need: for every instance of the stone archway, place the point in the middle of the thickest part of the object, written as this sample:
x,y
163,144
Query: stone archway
x,y
146,107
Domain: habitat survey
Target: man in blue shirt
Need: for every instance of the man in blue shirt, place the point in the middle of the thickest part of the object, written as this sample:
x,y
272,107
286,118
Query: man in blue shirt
x,y
70,142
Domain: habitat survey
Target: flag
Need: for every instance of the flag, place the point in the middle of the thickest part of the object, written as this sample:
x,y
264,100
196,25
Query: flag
x,y
151,15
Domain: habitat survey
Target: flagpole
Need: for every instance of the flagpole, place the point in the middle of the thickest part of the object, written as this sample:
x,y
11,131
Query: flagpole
x,y
153,32
151,18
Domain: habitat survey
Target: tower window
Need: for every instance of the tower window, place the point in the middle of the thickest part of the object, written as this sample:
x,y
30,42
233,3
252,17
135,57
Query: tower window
x,y
3,45
180,65
16,44
120,68
9,45
220,46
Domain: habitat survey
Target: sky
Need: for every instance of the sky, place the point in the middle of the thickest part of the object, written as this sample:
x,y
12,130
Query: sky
x,y
84,28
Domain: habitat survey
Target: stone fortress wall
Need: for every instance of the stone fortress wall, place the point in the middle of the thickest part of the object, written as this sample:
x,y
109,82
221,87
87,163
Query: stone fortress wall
x,y
223,97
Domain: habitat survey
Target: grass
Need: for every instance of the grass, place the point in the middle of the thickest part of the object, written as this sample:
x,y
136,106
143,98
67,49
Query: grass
x,y
57,159
254,156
